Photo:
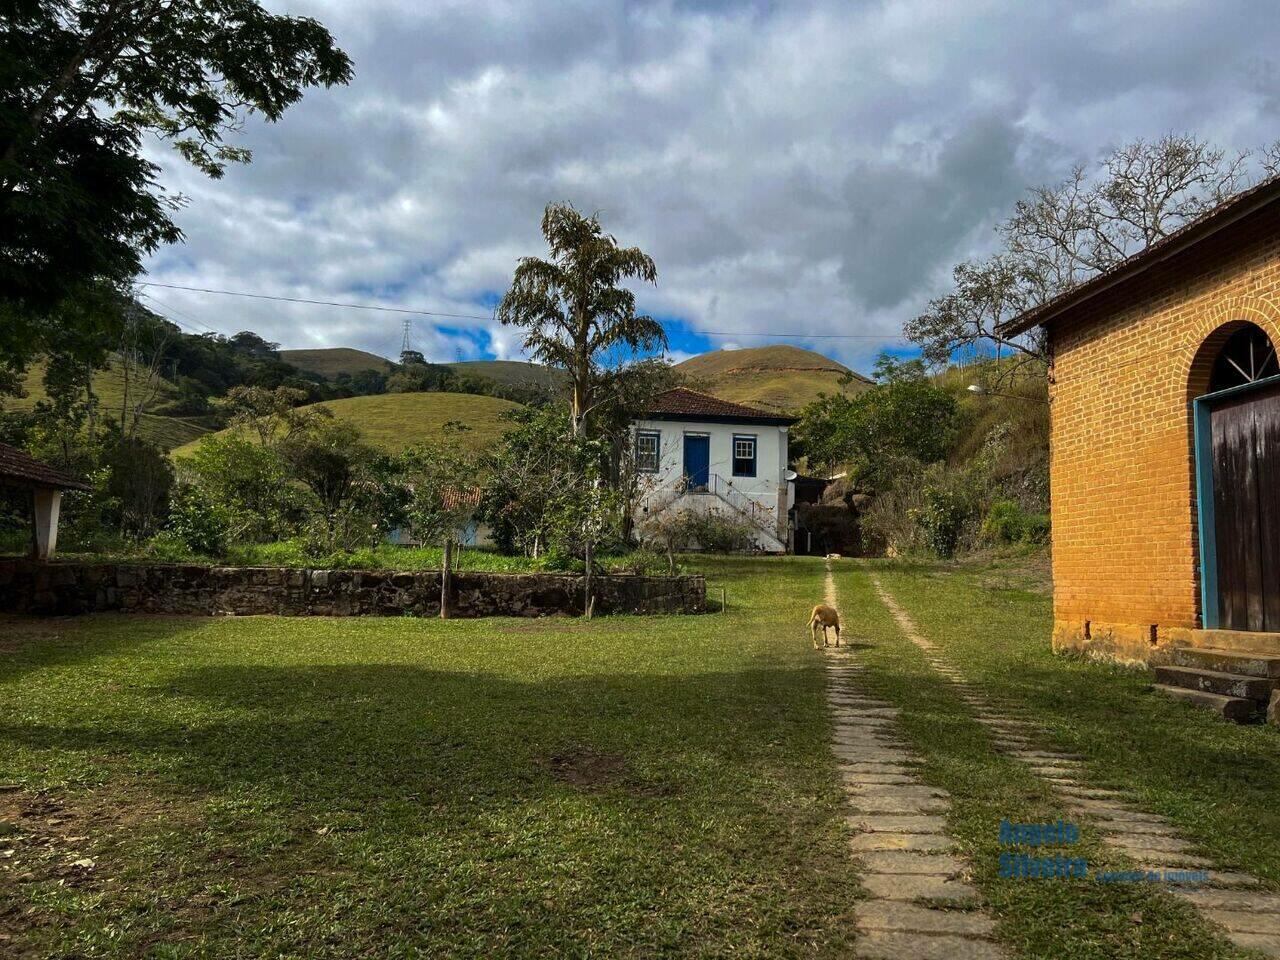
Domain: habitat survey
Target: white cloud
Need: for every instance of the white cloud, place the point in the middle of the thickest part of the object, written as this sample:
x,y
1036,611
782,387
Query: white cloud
x,y
794,168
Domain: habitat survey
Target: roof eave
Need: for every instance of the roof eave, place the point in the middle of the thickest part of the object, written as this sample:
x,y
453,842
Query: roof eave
x,y
762,421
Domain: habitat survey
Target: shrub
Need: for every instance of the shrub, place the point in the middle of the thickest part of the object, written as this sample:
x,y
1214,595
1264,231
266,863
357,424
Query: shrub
x,y
942,518
644,563
198,522
1006,522
168,546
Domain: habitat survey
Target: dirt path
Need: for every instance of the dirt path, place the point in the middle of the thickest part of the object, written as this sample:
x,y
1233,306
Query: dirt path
x,y
1250,917
909,864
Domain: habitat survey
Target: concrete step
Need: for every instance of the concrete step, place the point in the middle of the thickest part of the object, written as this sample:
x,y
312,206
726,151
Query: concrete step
x,y
1213,681
1228,661
1229,708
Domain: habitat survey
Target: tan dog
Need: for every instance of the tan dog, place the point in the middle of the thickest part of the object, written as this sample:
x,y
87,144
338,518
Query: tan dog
x,y
824,616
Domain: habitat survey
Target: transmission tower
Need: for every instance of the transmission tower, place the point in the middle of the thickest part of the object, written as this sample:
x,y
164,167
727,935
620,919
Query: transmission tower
x,y
407,339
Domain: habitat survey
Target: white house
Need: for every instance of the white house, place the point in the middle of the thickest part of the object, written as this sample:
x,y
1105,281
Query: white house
x,y
694,451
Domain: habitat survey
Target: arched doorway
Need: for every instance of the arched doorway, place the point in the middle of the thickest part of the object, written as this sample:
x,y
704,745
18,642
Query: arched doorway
x,y
1237,447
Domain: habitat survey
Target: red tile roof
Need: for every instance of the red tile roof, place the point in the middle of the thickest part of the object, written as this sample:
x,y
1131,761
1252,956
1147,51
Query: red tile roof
x,y
16,466
455,497
685,404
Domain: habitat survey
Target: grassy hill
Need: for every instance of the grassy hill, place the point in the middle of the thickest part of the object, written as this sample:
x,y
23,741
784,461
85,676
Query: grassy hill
x,y
515,372
776,377
394,421
109,387
331,361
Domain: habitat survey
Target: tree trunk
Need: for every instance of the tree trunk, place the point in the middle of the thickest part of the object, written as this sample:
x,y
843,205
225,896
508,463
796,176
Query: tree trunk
x,y
586,584
446,578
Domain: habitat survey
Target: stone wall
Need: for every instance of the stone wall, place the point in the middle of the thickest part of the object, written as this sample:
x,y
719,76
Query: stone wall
x,y
73,588
1126,366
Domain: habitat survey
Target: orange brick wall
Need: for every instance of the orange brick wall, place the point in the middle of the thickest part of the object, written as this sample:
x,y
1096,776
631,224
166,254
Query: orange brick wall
x,y
1125,367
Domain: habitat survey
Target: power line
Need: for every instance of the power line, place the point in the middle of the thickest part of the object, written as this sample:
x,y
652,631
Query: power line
x,y
181,313
319,303
802,336
475,316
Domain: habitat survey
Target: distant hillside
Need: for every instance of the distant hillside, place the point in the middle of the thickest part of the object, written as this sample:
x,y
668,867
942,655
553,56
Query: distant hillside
x,y
109,387
513,372
331,361
393,421
778,377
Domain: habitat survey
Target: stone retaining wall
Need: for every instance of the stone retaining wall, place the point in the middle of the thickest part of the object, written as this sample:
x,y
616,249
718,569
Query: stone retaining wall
x,y
74,588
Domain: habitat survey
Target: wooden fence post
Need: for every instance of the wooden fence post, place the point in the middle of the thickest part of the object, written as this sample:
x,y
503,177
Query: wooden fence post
x,y
446,578
588,604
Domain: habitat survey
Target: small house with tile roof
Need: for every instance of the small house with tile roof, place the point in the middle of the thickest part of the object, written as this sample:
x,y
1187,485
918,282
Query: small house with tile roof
x,y
45,485
697,452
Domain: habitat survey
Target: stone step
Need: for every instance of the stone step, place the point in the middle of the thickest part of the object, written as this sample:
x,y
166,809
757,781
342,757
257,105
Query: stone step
x,y
1228,661
1229,708
1214,681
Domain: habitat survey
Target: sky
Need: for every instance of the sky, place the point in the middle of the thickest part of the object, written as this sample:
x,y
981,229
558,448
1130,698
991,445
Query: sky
x,y
803,172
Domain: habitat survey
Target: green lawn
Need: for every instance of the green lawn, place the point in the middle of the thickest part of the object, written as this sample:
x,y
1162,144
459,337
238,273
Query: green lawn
x,y
1074,919
621,787
255,786
1218,782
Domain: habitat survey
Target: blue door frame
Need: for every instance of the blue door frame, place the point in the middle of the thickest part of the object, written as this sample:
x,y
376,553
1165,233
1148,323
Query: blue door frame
x,y
1201,407
697,460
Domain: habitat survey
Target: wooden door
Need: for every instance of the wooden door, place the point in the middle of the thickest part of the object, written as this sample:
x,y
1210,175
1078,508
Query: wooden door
x,y
697,460
1246,503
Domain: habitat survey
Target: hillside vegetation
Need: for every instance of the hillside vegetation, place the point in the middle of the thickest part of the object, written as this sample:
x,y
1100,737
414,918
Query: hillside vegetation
x,y
777,377
109,386
511,372
331,361
394,421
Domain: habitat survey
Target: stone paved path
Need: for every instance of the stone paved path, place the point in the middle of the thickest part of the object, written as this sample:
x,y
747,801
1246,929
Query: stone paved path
x,y
1250,917
910,867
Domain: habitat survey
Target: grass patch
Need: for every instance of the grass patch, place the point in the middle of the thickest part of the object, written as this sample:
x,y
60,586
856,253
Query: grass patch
x,y
1216,781
255,786
109,387
1039,918
394,421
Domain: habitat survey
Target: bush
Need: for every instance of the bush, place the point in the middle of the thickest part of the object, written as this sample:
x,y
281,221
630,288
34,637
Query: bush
x,y
643,563
942,518
198,522
168,546
1007,523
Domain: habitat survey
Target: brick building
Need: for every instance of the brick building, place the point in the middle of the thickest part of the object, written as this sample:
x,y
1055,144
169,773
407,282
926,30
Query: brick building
x,y
1165,443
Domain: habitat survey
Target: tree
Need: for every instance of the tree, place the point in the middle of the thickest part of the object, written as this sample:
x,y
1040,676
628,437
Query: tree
x,y
273,415
573,311
82,83
546,488
443,491
905,416
1059,236
328,457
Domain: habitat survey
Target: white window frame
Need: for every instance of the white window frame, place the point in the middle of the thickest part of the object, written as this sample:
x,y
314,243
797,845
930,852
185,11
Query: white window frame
x,y
752,439
656,436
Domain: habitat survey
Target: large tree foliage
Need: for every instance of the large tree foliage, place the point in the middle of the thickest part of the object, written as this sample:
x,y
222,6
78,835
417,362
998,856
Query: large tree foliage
x,y
903,417
1061,235
82,84
574,313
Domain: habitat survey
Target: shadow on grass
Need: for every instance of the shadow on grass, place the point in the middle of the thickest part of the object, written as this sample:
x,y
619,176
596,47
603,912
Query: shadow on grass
x,y
358,735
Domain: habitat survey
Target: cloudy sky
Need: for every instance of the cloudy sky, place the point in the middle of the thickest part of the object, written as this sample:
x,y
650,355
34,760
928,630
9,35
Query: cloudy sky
x,y
796,169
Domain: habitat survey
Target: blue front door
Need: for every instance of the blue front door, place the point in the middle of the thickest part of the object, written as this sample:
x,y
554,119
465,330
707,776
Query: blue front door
x,y
697,460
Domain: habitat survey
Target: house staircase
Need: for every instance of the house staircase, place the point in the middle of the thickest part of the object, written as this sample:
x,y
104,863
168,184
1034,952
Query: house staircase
x,y
1236,686
745,507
